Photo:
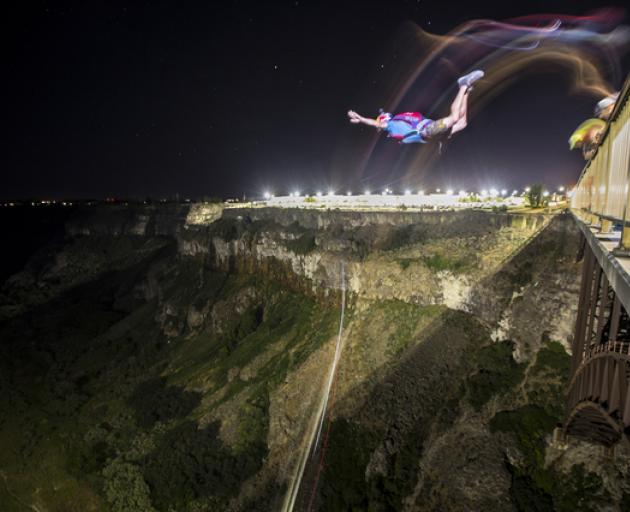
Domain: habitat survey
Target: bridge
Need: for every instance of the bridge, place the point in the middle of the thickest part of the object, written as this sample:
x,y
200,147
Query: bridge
x,y
598,398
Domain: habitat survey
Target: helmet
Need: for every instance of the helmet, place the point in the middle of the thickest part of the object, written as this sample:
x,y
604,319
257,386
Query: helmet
x,y
383,117
605,103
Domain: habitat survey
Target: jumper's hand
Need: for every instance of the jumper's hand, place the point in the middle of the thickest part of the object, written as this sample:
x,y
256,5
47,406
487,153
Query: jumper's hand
x,y
354,117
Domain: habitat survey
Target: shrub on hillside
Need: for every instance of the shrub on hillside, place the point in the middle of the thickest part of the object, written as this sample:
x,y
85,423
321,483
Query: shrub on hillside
x,y
154,401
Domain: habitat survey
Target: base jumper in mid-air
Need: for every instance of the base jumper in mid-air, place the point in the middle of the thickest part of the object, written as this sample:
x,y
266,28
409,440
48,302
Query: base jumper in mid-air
x,y
409,127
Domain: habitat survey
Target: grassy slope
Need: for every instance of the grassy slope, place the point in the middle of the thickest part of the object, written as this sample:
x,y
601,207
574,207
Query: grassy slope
x,y
88,425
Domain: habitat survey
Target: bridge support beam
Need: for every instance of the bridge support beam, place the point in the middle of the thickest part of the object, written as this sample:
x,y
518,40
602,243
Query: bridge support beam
x,y
598,395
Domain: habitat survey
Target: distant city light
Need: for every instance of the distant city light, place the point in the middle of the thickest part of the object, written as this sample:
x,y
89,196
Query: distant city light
x,y
407,192
527,189
449,192
503,192
331,193
319,194
420,192
484,192
494,192
348,193
367,192
267,195
462,193
438,190
545,193
296,193
514,192
560,189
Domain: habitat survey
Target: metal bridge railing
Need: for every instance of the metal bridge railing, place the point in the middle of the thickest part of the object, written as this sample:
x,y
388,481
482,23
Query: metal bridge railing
x,y
620,347
617,347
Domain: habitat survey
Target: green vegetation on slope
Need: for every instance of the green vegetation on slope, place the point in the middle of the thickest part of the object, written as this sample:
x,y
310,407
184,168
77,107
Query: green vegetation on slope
x,y
349,448
546,383
413,393
190,463
497,373
402,322
103,404
439,262
285,331
536,487
154,401
344,483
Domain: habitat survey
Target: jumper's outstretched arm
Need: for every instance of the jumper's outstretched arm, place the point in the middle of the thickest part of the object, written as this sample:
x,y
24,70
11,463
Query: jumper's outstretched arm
x,y
356,119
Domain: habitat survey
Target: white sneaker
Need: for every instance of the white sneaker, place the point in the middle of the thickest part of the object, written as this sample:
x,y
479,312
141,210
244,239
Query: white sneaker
x,y
470,78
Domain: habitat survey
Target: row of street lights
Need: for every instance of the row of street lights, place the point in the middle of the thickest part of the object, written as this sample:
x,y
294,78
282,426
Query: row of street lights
x,y
493,192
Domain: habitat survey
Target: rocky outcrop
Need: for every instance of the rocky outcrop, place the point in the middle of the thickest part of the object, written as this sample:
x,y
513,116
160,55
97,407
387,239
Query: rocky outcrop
x,y
131,220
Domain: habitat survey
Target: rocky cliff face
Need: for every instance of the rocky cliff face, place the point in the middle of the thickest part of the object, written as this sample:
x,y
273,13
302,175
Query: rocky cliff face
x,y
174,358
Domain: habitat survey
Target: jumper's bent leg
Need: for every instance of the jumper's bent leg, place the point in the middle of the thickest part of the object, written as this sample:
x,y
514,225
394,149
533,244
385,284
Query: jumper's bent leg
x,y
458,107
462,114
457,120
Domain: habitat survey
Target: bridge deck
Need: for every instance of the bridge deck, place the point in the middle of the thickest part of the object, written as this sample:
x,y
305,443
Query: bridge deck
x,y
617,269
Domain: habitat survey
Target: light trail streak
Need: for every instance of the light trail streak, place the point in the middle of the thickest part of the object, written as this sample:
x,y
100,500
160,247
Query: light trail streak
x,y
316,425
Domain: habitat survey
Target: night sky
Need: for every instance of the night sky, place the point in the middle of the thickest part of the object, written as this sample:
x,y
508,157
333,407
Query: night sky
x,y
112,99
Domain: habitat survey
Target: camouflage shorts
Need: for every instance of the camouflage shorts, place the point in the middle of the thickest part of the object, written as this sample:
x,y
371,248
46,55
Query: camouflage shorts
x,y
435,128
